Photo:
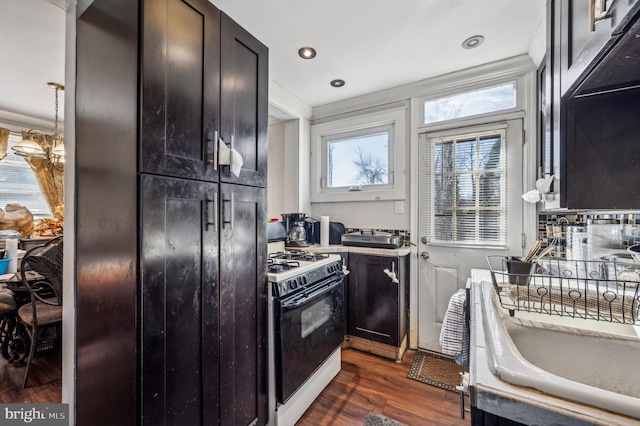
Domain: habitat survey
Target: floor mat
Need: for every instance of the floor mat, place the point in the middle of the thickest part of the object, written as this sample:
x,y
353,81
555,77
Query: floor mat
x,y
375,419
436,370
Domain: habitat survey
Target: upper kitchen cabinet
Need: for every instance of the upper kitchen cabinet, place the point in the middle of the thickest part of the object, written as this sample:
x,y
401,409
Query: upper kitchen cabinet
x,y
600,127
586,127
585,28
180,88
244,113
204,92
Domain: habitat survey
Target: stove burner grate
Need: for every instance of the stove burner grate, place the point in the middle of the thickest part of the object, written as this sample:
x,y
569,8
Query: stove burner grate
x,y
281,266
298,255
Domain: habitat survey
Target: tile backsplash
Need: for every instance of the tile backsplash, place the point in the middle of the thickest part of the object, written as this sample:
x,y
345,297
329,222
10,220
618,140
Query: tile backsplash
x,y
588,235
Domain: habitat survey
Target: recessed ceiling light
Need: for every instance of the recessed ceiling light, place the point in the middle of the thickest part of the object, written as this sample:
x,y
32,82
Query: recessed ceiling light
x,y
307,52
337,83
472,42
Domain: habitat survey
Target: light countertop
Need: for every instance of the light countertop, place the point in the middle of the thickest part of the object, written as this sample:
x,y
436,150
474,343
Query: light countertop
x,y
402,251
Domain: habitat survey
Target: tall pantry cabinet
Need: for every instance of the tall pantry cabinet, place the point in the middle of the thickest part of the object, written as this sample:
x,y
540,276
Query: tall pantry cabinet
x,y
171,245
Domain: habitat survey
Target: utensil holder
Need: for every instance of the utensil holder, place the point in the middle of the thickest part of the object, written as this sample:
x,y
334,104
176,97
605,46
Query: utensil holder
x,y
519,271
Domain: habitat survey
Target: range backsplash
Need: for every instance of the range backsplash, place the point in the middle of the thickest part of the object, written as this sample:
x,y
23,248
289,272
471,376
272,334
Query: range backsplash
x,y
560,227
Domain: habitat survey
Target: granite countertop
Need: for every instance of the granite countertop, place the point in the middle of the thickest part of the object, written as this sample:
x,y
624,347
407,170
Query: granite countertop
x,y
519,403
402,251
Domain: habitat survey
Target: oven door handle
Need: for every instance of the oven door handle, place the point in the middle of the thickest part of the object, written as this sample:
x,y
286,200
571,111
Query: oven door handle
x,y
296,303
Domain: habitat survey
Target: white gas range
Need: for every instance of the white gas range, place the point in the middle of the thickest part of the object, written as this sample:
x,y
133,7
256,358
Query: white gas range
x,y
306,329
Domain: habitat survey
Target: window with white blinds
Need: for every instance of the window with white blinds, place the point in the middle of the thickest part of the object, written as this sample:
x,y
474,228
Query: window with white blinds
x,y
18,183
468,189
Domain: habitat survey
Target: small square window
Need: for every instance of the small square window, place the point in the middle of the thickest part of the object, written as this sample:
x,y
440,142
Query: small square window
x,y
359,158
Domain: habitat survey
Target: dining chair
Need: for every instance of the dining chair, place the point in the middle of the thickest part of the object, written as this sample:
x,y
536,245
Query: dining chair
x,y
7,321
44,311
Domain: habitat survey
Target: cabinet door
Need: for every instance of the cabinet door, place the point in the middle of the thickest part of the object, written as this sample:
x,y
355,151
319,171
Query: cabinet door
x,y
244,100
583,36
373,299
179,302
180,88
243,305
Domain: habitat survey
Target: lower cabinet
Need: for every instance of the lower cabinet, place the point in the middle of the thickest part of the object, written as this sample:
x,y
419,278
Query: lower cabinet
x,y
179,302
203,303
377,306
243,305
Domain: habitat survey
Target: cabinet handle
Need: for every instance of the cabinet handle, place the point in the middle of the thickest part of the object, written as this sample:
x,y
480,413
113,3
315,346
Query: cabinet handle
x,y
214,201
231,202
215,151
214,160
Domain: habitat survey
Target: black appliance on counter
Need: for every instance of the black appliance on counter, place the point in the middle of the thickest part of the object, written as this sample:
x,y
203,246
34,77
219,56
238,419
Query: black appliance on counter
x,y
312,227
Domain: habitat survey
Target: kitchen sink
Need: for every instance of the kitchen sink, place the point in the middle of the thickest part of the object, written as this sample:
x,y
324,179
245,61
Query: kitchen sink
x,y
586,361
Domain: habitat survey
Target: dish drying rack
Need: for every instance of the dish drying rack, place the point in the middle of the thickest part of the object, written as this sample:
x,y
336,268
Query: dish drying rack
x,y
597,290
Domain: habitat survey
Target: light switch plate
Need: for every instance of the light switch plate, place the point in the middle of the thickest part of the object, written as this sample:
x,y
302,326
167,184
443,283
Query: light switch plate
x,y
400,207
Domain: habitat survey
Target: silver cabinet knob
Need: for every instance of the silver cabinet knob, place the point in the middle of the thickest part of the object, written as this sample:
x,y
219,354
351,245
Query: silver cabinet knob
x,y
424,255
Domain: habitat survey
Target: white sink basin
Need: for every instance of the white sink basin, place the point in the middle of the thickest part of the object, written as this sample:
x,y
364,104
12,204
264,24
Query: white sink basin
x,y
565,357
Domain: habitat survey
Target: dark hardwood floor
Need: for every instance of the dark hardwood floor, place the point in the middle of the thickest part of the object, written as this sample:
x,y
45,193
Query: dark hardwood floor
x,y
45,379
365,383
370,383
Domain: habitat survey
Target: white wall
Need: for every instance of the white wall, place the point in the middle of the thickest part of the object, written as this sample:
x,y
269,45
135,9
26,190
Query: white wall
x,y
276,169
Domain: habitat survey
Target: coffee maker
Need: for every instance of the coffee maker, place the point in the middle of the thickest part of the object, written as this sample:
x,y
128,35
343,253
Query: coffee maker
x,y
296,234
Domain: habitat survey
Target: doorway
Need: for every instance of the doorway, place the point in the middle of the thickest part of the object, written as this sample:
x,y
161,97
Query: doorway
x,y
469,187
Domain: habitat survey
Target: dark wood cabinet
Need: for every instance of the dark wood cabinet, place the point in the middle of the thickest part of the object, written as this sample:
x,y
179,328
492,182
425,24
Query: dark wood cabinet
x,y
587,130
377,306
179,301
243,305
191,107
244,98
581,37
171,278
180,88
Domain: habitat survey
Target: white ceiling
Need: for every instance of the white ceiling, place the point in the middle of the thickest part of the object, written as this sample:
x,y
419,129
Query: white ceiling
x,y
371,44
32,44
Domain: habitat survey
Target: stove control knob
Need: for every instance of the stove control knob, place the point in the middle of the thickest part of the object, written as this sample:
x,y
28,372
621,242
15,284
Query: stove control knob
x,y
300,282
292,284
304,280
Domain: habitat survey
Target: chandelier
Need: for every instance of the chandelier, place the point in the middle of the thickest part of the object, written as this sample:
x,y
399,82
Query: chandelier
x,y
36,145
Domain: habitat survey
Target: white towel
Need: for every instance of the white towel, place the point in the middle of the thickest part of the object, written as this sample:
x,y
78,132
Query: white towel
x,y
453,333
230,157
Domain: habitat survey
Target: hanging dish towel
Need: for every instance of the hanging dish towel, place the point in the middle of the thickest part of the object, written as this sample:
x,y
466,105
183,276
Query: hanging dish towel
x,y
230,157
454,336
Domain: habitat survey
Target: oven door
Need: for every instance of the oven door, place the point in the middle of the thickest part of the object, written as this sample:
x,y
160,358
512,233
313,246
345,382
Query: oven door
x,y
307,330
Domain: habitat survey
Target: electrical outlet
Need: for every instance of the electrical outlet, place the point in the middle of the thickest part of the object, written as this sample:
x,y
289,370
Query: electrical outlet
x,y
400,207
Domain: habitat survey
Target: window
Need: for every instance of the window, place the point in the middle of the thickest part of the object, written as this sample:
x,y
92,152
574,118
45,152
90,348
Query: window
x,y
486,100
18,183
359,158
469,186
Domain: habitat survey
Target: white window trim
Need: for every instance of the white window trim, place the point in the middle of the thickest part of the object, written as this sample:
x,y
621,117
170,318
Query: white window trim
x,y
516,112
395,190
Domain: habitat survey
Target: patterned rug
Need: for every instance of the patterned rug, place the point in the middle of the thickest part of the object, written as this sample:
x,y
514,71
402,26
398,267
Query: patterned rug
x,y
436,370
375,419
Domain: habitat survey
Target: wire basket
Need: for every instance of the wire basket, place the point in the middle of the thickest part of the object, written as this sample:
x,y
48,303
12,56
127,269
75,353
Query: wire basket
x,y
598,290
